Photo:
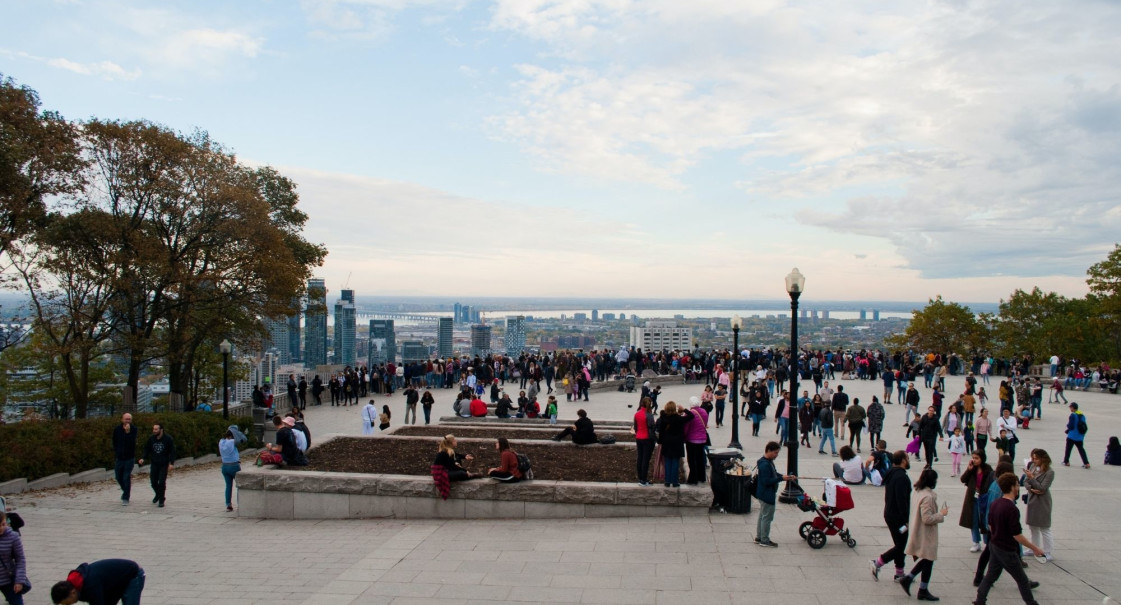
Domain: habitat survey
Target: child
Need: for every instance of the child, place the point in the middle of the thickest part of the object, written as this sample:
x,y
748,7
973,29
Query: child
x,y
913,428
568,389
968,434
1113,452
982,397
1001,442
551,409
533,409
957,448
914,445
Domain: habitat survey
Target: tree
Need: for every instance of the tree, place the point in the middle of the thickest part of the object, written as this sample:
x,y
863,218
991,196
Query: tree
x,y
38,158
1040,324
1105,290
944,328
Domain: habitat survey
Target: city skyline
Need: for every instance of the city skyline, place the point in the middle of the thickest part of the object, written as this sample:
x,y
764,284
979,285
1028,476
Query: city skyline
x,y
653,149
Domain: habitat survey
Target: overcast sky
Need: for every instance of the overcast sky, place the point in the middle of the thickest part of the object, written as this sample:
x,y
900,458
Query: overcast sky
x,y
653,148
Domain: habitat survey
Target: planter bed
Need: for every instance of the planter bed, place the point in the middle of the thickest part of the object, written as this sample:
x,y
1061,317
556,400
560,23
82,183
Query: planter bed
x,y
413,456
512,432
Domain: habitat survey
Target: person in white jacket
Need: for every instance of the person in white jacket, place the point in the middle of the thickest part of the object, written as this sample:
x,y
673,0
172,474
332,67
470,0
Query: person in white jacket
x,y
369,417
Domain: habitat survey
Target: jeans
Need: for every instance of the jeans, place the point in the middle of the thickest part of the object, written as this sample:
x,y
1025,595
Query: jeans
x,y
229,471
1001,560
1071,443
763,526
719,412
756,419
645,448
783,429
1037,407
427,413
827,434
8,590
980,511
929,446
673,471
157,475
123,471
410,408
135,587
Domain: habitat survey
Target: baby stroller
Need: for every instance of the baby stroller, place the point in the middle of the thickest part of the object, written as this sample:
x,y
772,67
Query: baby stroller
x,y
837,499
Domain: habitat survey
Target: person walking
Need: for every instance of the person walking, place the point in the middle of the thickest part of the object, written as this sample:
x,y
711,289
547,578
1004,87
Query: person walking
x,y
13,565
411,399
231,462
897,511
876,416
124,453
923,543
840,404
766,489
854,418
160,451
1076,434
911,403
977,478
106,581
826,420
1037,481
369,417
983,427
930,432
643,429
1006,536
426,402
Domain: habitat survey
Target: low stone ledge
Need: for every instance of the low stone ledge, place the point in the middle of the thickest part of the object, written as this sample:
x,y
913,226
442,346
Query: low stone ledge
x,y
14,486
55,480
97,474
561,422
578,492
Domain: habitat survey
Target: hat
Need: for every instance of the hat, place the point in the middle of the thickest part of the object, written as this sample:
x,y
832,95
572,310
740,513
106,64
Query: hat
x,y
289,421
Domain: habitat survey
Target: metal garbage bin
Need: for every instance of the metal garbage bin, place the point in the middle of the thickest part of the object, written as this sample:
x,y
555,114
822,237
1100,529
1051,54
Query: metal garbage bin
x,y
729,492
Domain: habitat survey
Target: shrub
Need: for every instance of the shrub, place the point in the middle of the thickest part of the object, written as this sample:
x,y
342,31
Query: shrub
x,y
38,448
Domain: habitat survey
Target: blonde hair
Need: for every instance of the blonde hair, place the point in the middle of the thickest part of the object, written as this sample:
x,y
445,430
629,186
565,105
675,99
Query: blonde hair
x,y
670,408
447,444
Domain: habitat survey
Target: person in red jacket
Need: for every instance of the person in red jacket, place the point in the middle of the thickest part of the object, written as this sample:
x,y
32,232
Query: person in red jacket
x,y
507,469
101,582
478,407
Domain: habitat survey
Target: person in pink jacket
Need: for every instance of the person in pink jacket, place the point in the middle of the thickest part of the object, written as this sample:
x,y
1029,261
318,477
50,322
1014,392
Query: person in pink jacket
x,y
696,439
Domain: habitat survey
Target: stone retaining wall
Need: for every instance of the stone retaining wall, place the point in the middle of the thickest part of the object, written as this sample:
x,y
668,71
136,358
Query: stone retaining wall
x,y
16,486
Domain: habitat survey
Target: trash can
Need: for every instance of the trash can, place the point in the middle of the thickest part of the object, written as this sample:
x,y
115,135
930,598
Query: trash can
x,y
729,492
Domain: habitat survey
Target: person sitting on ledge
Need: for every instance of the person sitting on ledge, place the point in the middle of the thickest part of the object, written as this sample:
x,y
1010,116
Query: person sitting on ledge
x,y
507,469
502,410
478,407
447,458
583,432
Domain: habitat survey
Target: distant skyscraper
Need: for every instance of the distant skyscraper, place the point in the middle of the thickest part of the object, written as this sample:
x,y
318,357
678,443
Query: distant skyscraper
x,y
863,314
278,338
444,337
413,351
825,314
345,328
875,315
580,316
295,355
595,314
382,329
515,334
480,340
315,323
457,312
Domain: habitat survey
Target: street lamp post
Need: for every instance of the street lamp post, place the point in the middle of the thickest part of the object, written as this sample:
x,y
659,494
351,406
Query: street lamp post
x,y
737,323
795,282
225,347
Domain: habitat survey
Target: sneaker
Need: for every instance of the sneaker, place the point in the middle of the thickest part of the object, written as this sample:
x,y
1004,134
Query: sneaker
x,y
229,509
1042,560
1033,584
756,539
976,547
768,544
834,454
124,502
160,504
875,571
821,451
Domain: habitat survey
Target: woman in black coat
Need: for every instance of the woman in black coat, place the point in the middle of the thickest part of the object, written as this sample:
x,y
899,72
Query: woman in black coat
x,y
671,435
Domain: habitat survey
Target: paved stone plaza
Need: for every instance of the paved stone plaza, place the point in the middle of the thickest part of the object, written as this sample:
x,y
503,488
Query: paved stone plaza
x,y
195,552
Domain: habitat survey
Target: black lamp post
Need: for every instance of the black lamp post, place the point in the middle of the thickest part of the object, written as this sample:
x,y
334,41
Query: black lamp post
x,y
737,323
225,347
792,493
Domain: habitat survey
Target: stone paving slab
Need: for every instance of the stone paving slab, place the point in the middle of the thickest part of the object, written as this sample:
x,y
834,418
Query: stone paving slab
x,y
195,552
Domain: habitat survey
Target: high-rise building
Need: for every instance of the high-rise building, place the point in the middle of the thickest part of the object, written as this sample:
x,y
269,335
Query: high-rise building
x,y
315,323
345,329
661,335
863,314
295,355
383,330
595,314
608,317
457,312
580,316
480,340
444,337
515,334
875,315
413,351
825,314
278,339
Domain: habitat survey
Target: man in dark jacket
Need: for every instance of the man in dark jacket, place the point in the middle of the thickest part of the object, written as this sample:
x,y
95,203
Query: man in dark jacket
x,y
124,453
840,405
160,451
582,433
897,510
765,490
930,431
101,582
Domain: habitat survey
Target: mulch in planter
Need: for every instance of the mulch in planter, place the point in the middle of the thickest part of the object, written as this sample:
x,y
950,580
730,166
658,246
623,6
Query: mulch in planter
x,y
497,431
414,457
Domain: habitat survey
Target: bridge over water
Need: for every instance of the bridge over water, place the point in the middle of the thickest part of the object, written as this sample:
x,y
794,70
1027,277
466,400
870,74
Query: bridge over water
x,y
409,317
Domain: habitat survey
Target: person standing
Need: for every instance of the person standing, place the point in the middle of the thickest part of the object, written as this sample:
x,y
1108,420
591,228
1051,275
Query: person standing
x,y
159,450
1006,534
671,436
923,543
643,429
1007,424
231,464
317,389
1076,434
411,399
369,417
426,402
840,405
977,478
301,390
984,428
876,417
911,403
293,398
124,451
105,581
765,490
825,418
930,431
855,417
1037,480
897,511
13,565
696,437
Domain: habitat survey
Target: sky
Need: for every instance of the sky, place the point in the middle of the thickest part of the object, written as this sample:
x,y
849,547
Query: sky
x,y
624,148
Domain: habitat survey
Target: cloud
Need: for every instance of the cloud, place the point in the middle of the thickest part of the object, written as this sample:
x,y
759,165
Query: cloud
x,y
362,19
106,70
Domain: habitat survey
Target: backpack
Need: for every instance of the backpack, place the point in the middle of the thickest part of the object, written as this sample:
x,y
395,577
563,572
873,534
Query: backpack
x,y
523,464
607,440
1082,428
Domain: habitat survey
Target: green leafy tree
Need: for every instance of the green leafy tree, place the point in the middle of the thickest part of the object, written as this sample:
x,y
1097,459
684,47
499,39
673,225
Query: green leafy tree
x,y
1105,290
944,327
